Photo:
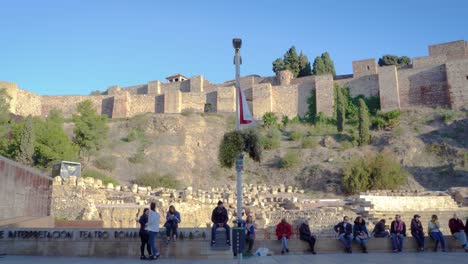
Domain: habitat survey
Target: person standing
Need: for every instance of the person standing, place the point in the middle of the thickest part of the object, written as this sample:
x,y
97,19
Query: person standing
x,y
434,233
360,233
345,230
153,228
250,233
417,231
283,233
219,217
457,228
144,235
398,233
172,223
306,235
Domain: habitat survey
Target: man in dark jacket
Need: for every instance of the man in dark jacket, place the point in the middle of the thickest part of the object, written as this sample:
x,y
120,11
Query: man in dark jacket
x,y
306,235
417,231
345,231
398,233
219,217
457,228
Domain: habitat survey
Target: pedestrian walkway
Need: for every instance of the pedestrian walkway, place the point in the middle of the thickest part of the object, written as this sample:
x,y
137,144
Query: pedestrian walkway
x,y
355,258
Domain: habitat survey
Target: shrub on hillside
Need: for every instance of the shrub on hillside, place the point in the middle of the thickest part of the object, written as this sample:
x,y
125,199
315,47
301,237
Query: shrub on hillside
x,y
309,143
385,120
290,160
270,119
156,180
236,142
105,163
101,176
296,135
378,172
271,139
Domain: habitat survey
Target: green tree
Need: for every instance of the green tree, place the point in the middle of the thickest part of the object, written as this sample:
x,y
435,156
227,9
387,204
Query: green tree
x,y
319,67
340,109
329,65
52,143
387,60
304,66
298,65
278,65
291,61
90,131
364,123
4,106
386,172
356,175
26,143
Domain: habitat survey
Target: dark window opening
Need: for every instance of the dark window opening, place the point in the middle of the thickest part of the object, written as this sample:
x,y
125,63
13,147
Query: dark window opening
x,y
368,67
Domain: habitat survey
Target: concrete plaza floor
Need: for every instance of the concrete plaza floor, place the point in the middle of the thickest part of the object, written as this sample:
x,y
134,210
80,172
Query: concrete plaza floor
x,y
355,258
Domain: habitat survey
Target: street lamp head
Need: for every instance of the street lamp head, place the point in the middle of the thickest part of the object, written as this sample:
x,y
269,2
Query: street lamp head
x,y
237,43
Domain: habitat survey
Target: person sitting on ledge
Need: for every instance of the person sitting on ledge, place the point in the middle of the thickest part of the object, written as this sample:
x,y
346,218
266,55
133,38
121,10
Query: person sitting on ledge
x,y
458,230
379,229
417,231
398,233
172,223
306,235
434,233
344,230
360,233
250,233
219,217
283,233
144,235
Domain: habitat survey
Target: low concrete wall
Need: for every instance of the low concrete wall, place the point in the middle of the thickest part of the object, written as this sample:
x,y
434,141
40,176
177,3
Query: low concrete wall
x,y
126,243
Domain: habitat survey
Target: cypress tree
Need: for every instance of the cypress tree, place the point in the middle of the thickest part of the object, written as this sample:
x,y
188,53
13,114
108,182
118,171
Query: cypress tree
x,y
278,65
291,61
364,123
304,66
26,144
318,66
329,65
340,109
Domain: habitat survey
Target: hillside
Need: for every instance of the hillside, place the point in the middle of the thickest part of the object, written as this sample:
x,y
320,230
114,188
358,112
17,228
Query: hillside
x,y
430,143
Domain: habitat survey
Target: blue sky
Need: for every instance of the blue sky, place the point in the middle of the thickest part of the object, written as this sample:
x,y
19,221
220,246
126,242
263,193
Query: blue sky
x,y
75,47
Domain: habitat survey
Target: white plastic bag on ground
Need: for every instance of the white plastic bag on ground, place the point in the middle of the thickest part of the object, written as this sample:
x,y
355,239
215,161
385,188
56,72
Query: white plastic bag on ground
x,y
262,252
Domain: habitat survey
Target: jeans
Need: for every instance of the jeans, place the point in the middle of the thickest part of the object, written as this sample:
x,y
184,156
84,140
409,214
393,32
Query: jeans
x,y
171,227
346,240
362,242
419,239
397,241
213,232
144,236
152,235
284,243
250,241
438,237
462,237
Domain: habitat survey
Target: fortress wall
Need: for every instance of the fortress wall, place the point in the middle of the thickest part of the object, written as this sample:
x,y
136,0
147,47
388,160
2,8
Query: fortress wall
x,y
197,84
12,90
285,100
226,99
172,101
452,50
457,78
28,103
428,61
67,104
304,90
154,87
136,89
262,101
194,101
139,104
364,68
324,94
427,86
364,85
388,88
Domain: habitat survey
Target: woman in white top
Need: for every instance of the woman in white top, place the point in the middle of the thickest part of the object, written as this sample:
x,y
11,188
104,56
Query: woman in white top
x,y
434,232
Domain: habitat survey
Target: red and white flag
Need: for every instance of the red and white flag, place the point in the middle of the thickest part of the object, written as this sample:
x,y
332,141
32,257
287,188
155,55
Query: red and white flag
x,y
243,114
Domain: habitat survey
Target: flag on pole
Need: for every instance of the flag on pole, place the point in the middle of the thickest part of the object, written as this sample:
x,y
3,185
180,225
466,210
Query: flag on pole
x,y
244,115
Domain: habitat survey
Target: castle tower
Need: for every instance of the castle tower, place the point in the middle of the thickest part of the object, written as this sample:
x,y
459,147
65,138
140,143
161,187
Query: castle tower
x,y
284,77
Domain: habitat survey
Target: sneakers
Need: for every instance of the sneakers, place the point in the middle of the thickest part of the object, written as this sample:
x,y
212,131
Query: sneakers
x,y
282,252
287,250
213,243
313,252
143,257
157,256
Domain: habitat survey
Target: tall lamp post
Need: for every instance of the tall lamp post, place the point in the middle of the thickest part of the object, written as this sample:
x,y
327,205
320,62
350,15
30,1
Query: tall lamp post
x,y
237,43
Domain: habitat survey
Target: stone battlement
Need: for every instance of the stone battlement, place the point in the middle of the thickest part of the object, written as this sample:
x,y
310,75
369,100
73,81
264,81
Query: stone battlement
x,y
439,79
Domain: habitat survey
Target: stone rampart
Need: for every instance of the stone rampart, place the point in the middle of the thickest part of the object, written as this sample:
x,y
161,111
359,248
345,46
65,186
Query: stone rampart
x,y
457,78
